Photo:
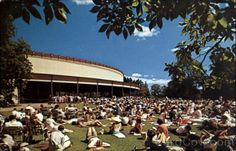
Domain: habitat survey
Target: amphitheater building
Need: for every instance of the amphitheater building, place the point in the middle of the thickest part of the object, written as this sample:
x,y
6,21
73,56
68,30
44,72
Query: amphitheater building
x,y
54,75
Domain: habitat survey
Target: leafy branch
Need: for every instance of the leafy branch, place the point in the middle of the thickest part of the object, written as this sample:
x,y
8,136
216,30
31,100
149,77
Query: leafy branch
x,y
209,50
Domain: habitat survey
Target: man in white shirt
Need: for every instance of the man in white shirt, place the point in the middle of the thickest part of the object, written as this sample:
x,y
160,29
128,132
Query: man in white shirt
x,y
19,115
125,119
51,124
59,141
13,122
39,116
183,130
31,109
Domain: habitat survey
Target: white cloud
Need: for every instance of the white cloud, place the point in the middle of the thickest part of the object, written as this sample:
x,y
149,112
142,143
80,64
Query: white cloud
x,y
137,75
150,81
141,39
145,33
83,2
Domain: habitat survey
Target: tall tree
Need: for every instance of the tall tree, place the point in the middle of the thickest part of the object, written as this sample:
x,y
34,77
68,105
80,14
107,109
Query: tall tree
x,y
155,90
15,67
209,26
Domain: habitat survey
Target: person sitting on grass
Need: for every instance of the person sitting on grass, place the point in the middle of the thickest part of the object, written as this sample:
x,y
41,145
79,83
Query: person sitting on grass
x,y
50,126
19,114
116,127
93,141
7,143
160,137
161,124
58,140
70,111
145,115
125,119
151,144
197,113
138,127
13,122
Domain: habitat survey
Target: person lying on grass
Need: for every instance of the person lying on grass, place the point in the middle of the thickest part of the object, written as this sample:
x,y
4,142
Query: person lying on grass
x,y
208,141
58,140
93,141
87,120
182,130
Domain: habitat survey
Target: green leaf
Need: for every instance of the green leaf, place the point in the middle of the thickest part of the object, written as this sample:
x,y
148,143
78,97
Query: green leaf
x,y
101,14
117,30
139,10
210,18
96,2
138,27
62,5
131,29
48,14
26,15
108,32
135,3
34,12
159,23
145,9
60,14
104,27
95,9
125,33
223,22
194,21
152,24
215,23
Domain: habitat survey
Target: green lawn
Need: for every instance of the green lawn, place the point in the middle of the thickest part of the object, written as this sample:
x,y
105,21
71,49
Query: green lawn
x,y
126,144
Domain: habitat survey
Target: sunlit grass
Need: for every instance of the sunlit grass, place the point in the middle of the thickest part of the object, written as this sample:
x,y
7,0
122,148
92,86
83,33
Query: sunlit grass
x,y
79,134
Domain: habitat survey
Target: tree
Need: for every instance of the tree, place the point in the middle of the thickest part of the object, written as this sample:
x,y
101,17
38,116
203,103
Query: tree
x,y
15,67
155,90
144,90
222,76
207,24
186,76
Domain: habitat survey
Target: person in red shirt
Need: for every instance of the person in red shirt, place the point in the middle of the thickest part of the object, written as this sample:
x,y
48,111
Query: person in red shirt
x,y
162,125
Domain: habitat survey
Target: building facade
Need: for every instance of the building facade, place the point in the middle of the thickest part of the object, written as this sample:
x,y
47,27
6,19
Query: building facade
x,y
54,75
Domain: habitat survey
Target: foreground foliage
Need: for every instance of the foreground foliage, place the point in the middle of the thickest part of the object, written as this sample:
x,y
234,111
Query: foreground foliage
x,y
15,67
205,61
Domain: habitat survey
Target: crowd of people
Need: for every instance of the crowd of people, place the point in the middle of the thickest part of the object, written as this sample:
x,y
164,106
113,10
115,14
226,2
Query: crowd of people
x,y
214,119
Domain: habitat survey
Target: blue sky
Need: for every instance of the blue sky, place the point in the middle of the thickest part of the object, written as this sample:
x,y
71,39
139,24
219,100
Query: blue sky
x,y
142,55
